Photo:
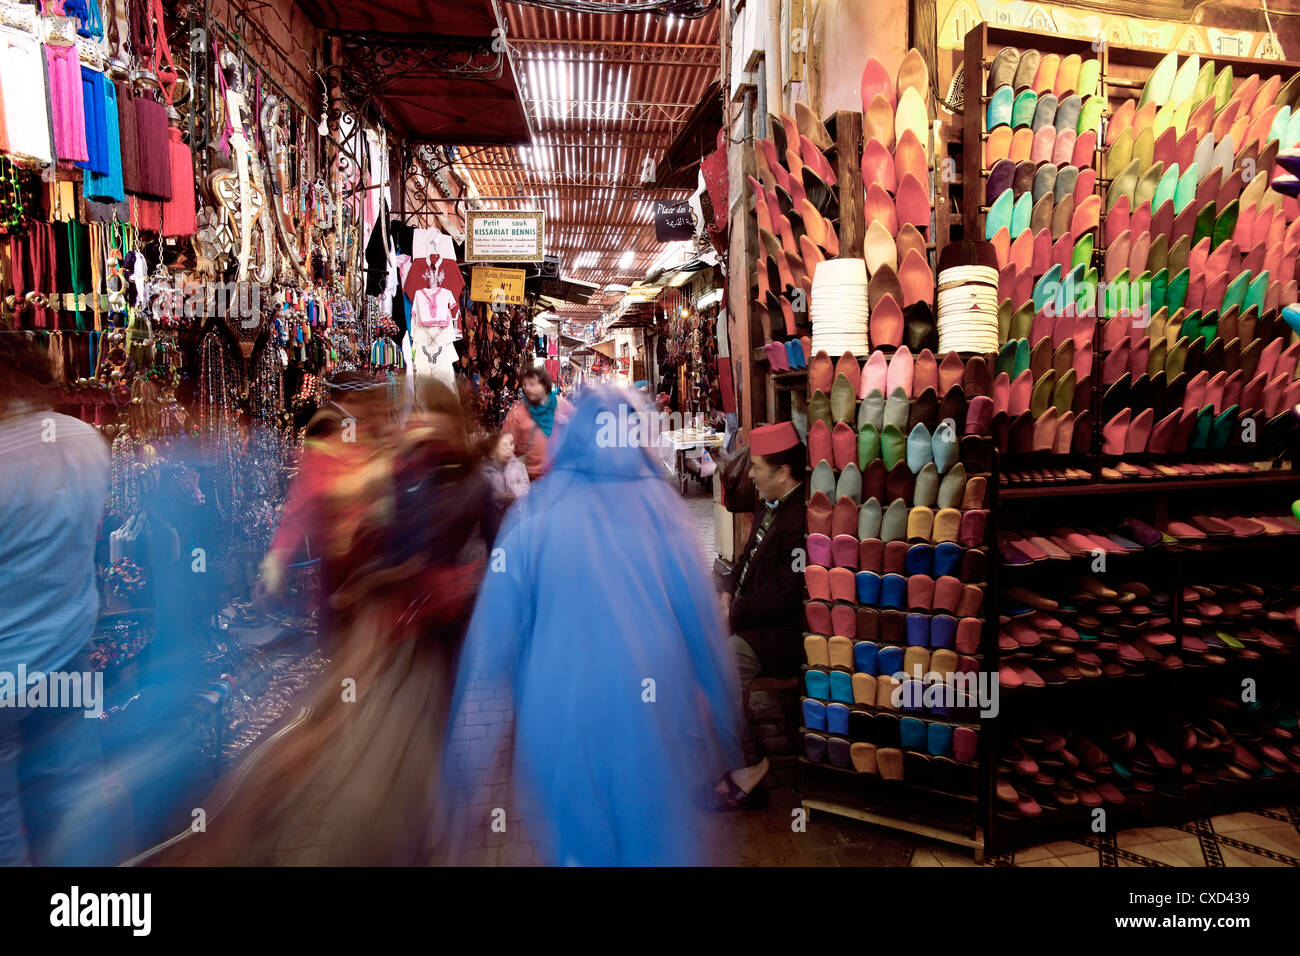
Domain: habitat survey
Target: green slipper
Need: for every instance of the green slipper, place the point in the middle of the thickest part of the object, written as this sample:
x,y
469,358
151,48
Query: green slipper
x,y
1201,430
1123,185
1089,74
1221,428
1000,104
1120,153
1222,88
1177,294
1235,294
1185,190
1144,147
1224,224
1023,355
1004,320
1021,213
999,215
1256,292
1160,82
1166,187
1160,289
893,445
1040,399
1069,288
1292,131
868,446
1083,250
1204,224
1090,115
844,401
1145,191
1022,109
1185,80
1022,321
1204,82
1063,393
1176,358
1006,360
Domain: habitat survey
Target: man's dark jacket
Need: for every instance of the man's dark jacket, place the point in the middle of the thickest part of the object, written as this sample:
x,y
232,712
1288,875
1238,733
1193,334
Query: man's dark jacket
x,y
767,611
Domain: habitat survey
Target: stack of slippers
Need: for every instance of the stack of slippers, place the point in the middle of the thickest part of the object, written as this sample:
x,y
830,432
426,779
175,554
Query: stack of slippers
x,y
797,208
896,164
1196,394
1238,620
1200,256
1083,629
1042,390
898,561
1028,546
1045,770
1040,199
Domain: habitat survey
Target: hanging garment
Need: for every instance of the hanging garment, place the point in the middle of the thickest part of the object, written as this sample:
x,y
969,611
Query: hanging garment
x,y
94,122
26,97
108,187
431,242
67,110
434,351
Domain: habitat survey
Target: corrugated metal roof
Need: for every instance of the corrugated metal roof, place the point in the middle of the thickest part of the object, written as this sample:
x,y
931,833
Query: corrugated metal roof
x,y
603,93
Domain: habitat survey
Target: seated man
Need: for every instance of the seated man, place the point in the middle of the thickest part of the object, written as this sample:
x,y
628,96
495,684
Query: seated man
x,y
764,594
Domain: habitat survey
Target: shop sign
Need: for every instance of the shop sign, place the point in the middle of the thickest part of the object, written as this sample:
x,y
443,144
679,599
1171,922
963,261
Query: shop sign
x,y
674,221
505,286
504,237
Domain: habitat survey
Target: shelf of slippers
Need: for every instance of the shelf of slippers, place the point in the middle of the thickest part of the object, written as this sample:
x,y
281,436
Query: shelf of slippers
x,y
1066,303
1193,375
1032,122
896,579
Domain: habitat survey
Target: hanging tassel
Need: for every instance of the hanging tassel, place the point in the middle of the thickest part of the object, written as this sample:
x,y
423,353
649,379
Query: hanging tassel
x,y
179,217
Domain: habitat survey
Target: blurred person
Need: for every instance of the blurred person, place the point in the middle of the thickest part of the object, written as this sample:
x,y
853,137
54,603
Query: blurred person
x,y
403,524
354,418
54,474
505,473
602,630
764,593
534,418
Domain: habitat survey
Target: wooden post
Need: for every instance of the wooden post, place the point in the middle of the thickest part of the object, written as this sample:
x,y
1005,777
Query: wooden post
x,y
848,159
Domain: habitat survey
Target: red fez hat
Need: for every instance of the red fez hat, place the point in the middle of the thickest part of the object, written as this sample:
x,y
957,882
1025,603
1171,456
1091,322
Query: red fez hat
x,y
771,439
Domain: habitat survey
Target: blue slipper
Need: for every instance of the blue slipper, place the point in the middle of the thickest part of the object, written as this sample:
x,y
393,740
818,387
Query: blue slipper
x,y
837,751
889,661
837,719
814,714
938,740
918,630
841,686
920,559
893,591
911,733
943,630
864,656
818,684
947,558
868,588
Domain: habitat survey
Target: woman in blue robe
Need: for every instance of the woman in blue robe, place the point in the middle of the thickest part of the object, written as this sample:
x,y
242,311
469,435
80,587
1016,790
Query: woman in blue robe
x,y
598,620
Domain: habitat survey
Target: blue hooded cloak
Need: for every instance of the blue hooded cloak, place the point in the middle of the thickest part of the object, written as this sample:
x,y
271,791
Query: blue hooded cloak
x,y
598,620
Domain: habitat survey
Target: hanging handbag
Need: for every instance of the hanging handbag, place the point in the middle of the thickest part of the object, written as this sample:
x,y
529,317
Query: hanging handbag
x,y
738,493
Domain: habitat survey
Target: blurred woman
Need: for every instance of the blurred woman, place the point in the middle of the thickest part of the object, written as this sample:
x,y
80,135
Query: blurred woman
x,y
602,631
365,761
